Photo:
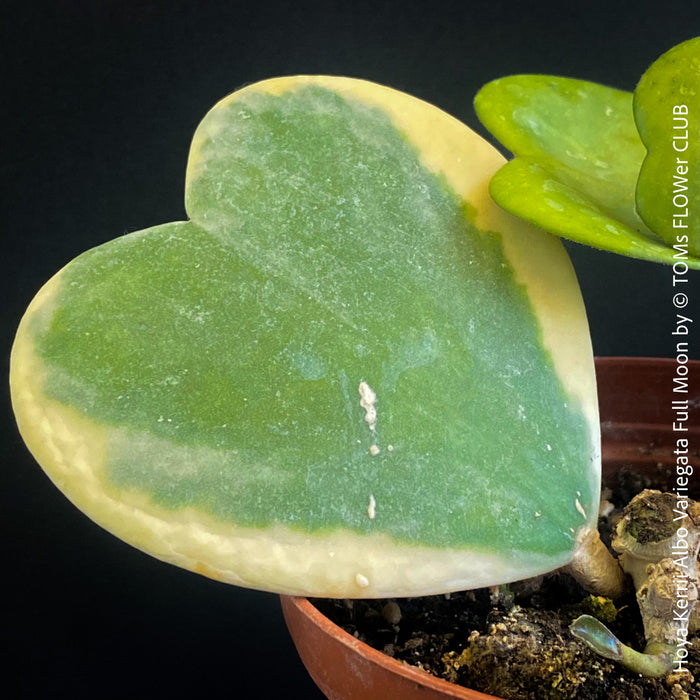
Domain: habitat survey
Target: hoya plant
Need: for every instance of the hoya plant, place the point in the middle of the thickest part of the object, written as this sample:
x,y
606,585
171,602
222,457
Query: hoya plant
x,y
349,373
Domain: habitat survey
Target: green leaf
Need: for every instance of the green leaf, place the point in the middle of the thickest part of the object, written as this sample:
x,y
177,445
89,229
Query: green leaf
x,y
312,385
656,660
666,109
578,155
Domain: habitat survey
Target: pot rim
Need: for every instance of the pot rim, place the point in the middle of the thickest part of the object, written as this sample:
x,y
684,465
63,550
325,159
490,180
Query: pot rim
x,y
295,607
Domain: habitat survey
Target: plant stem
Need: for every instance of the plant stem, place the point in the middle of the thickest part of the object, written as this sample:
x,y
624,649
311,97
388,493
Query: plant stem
x,y
596,569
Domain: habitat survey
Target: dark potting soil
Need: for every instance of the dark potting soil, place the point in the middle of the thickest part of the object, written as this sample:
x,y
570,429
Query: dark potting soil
x,y
514,643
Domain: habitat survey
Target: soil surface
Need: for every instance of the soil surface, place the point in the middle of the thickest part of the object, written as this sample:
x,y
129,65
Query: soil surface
x,y
514,643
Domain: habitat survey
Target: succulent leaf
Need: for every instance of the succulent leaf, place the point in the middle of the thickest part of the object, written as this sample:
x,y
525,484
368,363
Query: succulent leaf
x,y
312,386
656,660
666,105
577,159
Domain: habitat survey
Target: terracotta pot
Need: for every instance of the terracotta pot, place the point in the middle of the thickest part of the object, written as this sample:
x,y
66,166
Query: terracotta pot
x,y
636,412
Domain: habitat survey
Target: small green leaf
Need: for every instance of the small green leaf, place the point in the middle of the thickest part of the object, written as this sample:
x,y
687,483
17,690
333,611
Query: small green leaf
x,y
666,109
598,637
656,660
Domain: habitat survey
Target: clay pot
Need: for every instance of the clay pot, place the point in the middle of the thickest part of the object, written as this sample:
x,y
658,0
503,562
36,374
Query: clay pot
x,y
636,413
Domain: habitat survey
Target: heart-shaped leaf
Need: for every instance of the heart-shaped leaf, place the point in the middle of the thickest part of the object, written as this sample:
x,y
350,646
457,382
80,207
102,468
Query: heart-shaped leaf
x,y
349,374
578,156
666,107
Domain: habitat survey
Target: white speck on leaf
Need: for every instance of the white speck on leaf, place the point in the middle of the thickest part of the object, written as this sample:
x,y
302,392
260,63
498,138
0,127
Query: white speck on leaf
x,y
367,400
372,507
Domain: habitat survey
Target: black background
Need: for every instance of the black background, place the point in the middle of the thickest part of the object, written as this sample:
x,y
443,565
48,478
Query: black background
x,y
99,102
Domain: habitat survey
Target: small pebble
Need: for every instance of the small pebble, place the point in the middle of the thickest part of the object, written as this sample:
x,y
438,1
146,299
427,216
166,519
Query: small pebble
x,y
392,613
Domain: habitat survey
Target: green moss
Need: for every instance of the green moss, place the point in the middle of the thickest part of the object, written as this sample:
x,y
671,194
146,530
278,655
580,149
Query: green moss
x,y
652,520
601,608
